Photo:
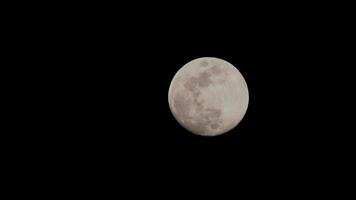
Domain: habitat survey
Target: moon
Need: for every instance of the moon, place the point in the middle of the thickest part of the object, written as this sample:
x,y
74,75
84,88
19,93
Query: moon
x,y
208,96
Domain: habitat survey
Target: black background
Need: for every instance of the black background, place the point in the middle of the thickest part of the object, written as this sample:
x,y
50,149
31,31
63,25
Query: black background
x,y
104,79
121,76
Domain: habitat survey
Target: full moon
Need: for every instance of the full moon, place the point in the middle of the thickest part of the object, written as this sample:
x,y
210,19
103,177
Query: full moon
x,y
208,96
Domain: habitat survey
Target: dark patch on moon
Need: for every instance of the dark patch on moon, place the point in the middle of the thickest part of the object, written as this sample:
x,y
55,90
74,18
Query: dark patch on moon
x,y
204,79
216,70
214,126
181,105
204,63
207,118
212,113
191,84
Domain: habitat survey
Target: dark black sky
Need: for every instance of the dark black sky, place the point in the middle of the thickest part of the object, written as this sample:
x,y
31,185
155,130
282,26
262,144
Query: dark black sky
x,y
120,73
108,88
124,81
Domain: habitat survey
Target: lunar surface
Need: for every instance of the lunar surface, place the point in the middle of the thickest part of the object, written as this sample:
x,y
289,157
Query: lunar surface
x,y
208,96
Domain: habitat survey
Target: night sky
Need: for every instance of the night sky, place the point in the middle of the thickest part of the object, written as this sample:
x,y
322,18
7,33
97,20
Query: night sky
x,y
108,80
124,93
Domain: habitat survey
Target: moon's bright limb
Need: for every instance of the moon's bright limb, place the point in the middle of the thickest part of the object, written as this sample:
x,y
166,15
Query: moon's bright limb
x,y
208,96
